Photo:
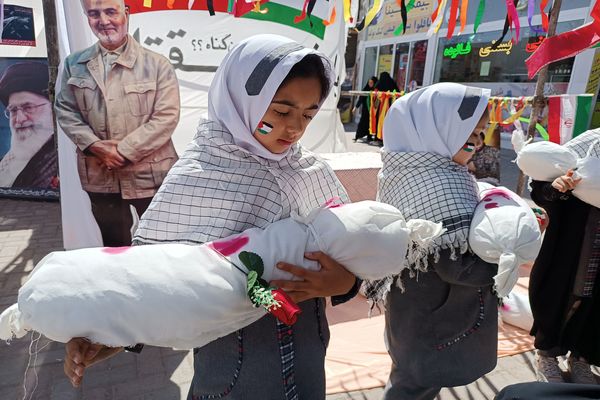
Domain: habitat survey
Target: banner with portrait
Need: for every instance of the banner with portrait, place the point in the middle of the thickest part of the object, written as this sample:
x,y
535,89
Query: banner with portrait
x,y
28,154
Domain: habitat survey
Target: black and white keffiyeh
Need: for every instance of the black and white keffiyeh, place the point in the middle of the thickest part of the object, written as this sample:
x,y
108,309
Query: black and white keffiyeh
x,y
217,189
431,187
586,145
422,132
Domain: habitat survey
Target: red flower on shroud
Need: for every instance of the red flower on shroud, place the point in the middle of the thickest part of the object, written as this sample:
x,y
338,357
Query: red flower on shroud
x,y
288,311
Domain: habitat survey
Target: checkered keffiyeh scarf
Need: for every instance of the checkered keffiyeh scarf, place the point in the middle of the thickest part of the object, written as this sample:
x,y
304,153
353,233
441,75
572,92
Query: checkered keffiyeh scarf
x,y
431,187
217,189
586,144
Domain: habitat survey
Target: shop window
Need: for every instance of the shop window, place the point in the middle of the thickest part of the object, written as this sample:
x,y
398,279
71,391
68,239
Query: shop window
x,y
401,64
369,65
385,59
417,65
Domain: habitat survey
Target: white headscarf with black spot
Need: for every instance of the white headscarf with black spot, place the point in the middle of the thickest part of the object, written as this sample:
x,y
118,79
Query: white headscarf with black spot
x,y
246,83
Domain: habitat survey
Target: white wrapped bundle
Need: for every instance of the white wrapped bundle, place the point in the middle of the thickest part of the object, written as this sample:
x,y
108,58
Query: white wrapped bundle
x,y
504,231
181,296
516,310
588,190
546,161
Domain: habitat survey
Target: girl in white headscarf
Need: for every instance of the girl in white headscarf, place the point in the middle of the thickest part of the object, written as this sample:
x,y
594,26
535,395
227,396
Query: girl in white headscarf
x,y
244,169
441,315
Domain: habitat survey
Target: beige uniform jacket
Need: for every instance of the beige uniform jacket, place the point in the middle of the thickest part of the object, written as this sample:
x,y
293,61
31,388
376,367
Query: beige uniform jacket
x,y
139,105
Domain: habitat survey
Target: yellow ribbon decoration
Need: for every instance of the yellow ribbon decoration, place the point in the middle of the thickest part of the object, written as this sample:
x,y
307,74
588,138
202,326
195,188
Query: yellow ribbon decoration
x,y
440,16
347,10
373,12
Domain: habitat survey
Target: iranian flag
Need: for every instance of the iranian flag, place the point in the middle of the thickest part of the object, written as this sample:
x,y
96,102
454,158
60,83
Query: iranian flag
x,y
568,116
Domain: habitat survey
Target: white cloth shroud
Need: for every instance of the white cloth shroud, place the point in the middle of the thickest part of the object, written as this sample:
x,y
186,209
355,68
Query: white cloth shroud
x,y
504,231
546,161
184,296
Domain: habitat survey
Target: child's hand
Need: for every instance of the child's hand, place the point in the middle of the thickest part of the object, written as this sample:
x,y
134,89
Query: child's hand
x,y
81,354
566,182
332,280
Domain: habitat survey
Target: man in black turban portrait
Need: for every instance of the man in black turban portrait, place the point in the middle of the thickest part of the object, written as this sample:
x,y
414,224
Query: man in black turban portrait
x,y
32,160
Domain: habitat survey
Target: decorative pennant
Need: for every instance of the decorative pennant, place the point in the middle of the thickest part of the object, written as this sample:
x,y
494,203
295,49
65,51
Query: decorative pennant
x,y
511,7
452,18
479,17
403,14
545,21
437,18
463,15
347,15
565,45
402,27
375,8
507,24
373,113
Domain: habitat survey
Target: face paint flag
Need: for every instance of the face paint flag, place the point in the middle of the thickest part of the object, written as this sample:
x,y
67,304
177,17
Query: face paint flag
x,y
469,147
264,128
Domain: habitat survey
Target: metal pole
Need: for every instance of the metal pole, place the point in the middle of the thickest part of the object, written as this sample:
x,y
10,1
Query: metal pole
x,y
539,103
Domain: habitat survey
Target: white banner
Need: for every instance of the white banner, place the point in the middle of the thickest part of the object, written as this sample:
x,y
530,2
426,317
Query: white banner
x,y
195,43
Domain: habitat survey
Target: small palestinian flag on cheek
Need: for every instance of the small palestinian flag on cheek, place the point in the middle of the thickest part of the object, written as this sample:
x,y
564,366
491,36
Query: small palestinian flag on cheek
x,y
469,147
264,128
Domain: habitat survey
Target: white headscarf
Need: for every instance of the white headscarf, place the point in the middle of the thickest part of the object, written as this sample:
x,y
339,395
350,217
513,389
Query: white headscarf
x,y
437,119
245,85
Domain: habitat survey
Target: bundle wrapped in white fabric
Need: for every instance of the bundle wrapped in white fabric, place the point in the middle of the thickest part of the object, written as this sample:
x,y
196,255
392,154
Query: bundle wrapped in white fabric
x,y
180,296
504,231
546,161
516,310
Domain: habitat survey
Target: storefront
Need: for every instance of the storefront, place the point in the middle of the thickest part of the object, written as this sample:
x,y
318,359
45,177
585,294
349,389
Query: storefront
x,y
414,60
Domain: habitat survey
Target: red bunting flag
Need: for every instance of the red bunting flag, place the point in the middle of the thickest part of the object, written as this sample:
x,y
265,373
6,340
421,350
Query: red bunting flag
x,y
566,45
